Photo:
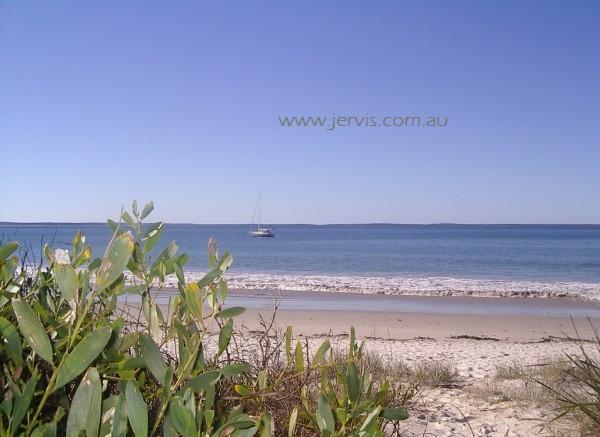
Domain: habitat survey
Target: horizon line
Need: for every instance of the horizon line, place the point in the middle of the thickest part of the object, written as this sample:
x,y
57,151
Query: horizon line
x,y
449,224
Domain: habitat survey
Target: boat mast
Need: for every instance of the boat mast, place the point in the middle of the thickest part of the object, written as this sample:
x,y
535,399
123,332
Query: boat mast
x,y
258,210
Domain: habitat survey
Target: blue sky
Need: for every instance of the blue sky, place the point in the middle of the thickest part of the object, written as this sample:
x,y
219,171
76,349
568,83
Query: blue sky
x,y
103,102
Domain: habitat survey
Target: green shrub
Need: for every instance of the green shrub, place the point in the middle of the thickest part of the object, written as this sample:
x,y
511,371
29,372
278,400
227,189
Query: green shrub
x,y
575,384
75,361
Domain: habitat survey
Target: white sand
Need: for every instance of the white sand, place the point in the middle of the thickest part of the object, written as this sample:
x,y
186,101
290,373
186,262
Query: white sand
x,y
475,344
462,410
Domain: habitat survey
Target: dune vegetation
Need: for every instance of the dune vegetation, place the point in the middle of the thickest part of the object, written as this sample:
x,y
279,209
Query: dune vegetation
x,y
77,361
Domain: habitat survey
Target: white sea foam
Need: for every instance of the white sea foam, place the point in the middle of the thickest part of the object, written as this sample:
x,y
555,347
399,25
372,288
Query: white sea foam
x,y
429,286
401,285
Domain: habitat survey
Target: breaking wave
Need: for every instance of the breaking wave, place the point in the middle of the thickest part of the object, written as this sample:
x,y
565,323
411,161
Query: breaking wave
x,y
428,286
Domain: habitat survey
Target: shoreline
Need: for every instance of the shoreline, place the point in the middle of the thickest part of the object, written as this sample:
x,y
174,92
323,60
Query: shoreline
x,y
344,301
391,326
407,317
409,285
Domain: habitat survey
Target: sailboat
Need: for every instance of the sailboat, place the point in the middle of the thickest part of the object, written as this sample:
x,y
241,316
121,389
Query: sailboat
x,y
260,231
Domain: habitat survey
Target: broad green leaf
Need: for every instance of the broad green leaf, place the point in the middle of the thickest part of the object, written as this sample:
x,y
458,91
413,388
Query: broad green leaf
x,y
114,417
7,249
6,406
235,423
66,279
223,290
8,269
13,341
134,289
32,329
152,236
298,358
116,259
243,423
352,344
266,425
182,419
246,432
341,414
168,429
352,382
395,413
292,422
147,210
128,341
225,336
48,254
193,299
179,273
182,260
137,411
211,298
86,351
108,412
45,430
96,263
370,418
153,358
22,403
128,219
209,278
209,417
86,406
168,252
320,354
132,363
168,381
205,380
262,379
234,369
225,262
151,315
242,390
81,251
231,312
325,419
288,342
113,225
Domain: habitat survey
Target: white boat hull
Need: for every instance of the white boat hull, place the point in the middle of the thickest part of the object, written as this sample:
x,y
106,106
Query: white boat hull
x,y
262,233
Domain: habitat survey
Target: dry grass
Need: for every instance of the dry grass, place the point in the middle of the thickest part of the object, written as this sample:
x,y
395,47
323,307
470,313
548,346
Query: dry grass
x,y
541,385
429,373
435,373
521,383
578,392
495,392
551,370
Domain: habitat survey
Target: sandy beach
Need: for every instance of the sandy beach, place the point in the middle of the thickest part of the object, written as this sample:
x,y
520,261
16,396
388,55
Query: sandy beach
x,y
478,346
479,338
411,324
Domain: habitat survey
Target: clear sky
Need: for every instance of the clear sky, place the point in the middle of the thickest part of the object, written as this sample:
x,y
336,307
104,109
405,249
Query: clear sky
x,y
102,102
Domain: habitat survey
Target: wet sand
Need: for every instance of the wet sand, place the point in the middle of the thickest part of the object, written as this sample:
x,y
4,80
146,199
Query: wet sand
x,y
406,317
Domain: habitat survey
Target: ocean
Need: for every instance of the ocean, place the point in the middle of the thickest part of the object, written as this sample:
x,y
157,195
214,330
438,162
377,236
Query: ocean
x,y
465,260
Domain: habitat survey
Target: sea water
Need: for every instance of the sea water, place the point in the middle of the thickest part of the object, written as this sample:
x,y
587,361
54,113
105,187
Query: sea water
x,y
478,260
